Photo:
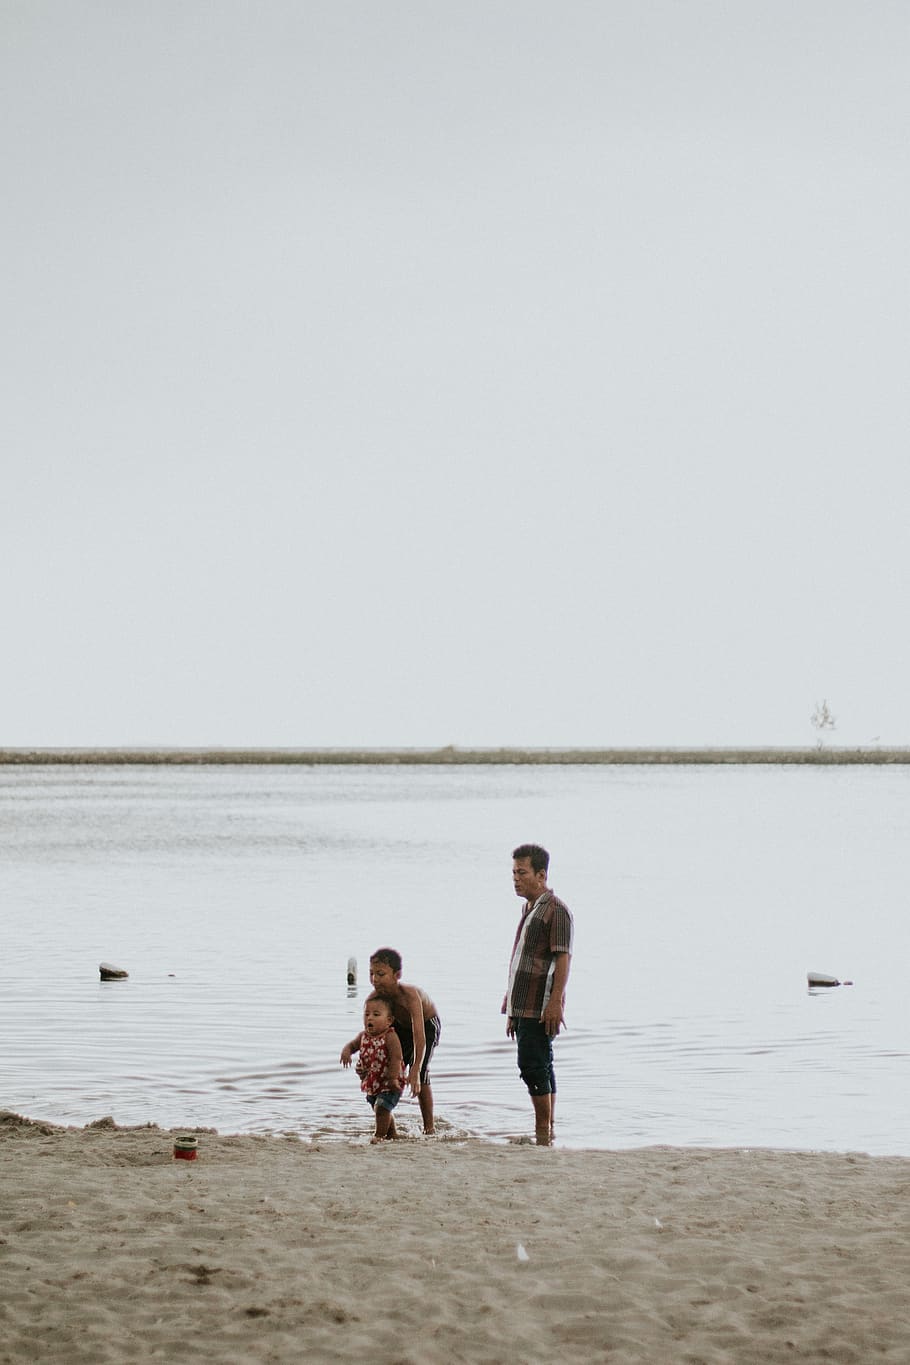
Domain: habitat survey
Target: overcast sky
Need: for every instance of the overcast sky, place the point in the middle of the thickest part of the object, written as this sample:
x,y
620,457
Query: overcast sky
x,y
478,373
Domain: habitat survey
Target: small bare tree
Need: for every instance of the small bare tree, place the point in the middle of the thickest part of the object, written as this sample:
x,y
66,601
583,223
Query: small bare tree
x,y
823,721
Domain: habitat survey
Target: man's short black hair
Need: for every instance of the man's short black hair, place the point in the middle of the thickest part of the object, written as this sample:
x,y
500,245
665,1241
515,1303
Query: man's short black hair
x,y
538,856
389,956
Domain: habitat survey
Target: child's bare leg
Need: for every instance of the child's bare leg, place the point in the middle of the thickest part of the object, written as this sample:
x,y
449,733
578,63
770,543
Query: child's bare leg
x,y
543,1112
425,1100
385,1125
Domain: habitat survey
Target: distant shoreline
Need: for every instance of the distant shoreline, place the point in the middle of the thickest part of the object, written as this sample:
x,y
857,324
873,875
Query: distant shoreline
x,y
449,756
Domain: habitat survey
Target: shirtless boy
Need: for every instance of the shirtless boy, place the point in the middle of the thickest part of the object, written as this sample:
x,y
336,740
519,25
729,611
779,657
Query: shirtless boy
x,y
416,1022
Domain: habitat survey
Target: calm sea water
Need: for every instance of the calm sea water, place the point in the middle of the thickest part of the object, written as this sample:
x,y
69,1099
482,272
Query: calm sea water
x,y
234,896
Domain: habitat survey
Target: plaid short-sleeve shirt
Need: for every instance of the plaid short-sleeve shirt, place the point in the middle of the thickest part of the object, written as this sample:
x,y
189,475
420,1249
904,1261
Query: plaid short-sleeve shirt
x,y
545,929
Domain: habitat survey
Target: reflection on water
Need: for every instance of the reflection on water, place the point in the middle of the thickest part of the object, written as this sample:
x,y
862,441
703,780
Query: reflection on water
x,y
237,897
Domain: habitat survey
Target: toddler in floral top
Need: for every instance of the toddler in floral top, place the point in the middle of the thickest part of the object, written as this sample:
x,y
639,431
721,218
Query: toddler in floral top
x,y
381,1063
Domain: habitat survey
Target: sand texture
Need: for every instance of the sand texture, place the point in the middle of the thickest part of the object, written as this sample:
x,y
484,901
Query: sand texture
x,y
272,1249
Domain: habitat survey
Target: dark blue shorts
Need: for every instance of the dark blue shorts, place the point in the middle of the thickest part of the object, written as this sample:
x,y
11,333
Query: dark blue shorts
x,y
535,1057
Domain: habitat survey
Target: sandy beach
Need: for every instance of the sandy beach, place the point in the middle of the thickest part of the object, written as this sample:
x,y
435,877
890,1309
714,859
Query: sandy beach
x,y
273,1249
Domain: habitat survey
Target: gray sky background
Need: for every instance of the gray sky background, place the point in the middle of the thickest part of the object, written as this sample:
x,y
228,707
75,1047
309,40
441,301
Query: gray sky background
x,y
468,373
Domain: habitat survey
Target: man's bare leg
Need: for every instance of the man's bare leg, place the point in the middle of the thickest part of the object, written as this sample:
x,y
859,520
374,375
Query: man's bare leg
x,y
543,1113
425,1100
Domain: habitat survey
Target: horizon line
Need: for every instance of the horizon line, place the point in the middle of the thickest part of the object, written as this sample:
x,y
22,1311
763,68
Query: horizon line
x,y
449,754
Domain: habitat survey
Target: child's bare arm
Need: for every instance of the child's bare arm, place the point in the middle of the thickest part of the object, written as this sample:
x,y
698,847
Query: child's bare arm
x,y
394,1054
349,1049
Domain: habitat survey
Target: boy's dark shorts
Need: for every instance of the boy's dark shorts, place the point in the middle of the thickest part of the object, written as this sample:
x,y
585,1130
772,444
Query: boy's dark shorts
x,y
386,1099
432,1028
535,1057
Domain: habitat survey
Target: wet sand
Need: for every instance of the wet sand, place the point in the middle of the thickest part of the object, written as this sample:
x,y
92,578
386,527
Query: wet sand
x,y
276,1250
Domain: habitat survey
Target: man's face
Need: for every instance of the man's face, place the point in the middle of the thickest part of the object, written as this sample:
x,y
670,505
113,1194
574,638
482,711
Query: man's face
x,y
528,883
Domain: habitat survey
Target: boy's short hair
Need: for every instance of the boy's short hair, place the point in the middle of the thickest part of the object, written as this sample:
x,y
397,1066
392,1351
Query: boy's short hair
x,y
388,956
538,857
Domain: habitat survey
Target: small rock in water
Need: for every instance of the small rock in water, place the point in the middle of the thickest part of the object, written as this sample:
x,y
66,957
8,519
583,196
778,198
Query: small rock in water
x,y
109,973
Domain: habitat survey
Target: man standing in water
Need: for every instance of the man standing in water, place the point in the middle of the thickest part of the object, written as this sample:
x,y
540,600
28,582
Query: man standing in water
x,y
538,973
